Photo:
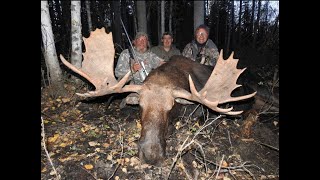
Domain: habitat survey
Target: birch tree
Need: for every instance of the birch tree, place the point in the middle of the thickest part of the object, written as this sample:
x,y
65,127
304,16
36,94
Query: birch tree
x,y
49,49
76,36
141,14
162,18
198,13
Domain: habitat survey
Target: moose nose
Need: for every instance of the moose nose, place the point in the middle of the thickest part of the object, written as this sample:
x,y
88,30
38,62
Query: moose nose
x,y
151,153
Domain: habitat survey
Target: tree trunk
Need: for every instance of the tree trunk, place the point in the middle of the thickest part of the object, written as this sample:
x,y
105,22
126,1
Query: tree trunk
x,y
159,21
89,16
252,17
141,14
116,32
162,18
198,13
228,29
217,26
233,44
257,25
170,16
49,50
239,24
76,37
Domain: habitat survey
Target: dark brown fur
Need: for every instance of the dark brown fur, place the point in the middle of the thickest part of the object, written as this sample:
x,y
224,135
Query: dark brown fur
x,y
158,105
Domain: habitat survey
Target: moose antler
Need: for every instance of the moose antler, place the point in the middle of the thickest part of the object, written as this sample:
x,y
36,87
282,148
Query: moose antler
x,y
218,89
97,66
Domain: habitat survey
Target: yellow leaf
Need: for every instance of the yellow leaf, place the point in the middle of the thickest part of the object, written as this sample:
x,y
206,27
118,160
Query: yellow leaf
x,y
224,164
93,143
105,145
109,157
64,114
120,161
88,166
138,124
124,170
178,125
64,100
44,169
196,124
65,159
54,138
63,145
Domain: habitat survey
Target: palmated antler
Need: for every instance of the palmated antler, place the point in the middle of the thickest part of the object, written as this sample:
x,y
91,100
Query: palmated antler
x,y
97,66
218,89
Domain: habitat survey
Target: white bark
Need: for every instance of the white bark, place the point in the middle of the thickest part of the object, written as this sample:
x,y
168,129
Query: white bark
x,y
198,13
162,18
76,36
141,15
49,48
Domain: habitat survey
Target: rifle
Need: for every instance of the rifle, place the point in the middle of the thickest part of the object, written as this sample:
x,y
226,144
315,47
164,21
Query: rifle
x,y
142,72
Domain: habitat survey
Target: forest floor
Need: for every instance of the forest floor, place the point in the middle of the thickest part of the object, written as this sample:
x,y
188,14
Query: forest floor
x,y
94,139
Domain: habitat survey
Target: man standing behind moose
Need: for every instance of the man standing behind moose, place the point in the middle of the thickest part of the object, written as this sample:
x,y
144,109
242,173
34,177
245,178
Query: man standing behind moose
x,y
202,49
142,54
167,49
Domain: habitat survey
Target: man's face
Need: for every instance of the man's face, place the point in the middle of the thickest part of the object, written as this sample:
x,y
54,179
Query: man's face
x,y
141,43
201,36
167,41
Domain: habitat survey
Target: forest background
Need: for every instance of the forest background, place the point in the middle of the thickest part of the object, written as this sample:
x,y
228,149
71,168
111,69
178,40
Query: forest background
x,y
249,28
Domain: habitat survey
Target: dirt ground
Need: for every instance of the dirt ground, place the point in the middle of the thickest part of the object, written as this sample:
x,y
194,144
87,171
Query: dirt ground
x,y
94,139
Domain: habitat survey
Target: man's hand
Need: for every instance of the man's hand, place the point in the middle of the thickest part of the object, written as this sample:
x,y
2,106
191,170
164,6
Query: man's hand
x,y
136,67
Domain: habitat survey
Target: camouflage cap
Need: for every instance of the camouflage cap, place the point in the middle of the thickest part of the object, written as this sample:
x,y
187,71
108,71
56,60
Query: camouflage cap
x,y
139,34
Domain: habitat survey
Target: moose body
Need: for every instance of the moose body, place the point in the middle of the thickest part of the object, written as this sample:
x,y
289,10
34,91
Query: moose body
x,y
158,105
178,81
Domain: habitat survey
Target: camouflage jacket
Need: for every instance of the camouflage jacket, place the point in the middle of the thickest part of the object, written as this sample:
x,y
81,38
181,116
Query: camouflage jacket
x,y
124,64
209,52
159,51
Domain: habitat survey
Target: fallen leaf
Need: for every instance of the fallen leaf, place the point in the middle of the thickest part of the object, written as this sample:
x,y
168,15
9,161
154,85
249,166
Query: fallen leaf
x,y
224,164
64,100
178,125
109,157
88,166
138,124
124,170
54,138
134,161
93,143
63,145
105,145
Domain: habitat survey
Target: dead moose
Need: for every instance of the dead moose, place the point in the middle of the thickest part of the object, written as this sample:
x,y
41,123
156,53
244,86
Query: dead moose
x,y
179,80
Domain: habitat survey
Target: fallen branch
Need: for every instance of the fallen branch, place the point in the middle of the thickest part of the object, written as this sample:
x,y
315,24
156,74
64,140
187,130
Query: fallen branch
x,y
184,145
119,164
46,151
